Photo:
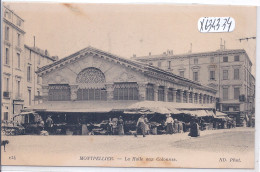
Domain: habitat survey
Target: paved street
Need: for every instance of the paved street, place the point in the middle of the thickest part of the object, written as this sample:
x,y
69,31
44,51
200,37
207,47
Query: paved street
x,y
206,150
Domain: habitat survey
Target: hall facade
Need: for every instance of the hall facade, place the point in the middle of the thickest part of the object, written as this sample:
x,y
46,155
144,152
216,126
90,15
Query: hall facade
x,y
94,75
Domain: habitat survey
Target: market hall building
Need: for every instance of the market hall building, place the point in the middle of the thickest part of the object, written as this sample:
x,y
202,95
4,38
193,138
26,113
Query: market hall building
x,y
96,85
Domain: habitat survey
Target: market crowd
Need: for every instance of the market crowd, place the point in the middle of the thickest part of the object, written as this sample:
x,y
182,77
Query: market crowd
x,y
143,127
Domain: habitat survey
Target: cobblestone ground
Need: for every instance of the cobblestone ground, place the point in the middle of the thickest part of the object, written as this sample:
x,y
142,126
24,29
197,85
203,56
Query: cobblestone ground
x,y
203,151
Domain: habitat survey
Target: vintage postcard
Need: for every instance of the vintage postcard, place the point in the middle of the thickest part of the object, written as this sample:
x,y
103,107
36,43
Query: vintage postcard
x,y
128,85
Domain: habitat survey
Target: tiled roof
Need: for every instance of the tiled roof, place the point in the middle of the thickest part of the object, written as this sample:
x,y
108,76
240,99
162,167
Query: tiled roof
x,y
38,52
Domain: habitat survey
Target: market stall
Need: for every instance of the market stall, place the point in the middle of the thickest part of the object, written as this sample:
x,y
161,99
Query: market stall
x,y
99,117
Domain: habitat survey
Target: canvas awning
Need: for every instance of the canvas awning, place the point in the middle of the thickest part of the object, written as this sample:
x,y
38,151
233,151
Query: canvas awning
x,y
198,113
128,107
220,115
82,106
151,107
24,113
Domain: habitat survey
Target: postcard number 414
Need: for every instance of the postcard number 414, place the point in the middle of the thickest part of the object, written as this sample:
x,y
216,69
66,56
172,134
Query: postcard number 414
x,y
216,24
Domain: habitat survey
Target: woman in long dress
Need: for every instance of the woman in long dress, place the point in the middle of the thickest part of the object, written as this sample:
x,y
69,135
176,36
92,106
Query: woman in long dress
x,y
169,124
175,126
140,126
194,129
120,126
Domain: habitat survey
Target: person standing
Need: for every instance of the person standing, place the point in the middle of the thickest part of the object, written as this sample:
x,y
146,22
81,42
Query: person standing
x,y
140,125
109,127
175,126
114,126
169,124
49,124
147,127
180,127
120,126
194,128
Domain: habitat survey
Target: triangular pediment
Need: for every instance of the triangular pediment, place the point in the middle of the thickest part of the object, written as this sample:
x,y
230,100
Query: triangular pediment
x,y
96,53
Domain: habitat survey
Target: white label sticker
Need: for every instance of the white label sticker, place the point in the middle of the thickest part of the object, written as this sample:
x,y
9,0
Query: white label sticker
x,y
216,24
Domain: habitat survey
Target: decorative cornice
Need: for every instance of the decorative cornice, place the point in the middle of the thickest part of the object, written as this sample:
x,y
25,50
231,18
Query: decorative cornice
x,y
14,26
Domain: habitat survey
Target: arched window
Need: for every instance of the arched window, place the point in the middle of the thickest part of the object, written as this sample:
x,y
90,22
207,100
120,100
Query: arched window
x,y
91,84
91,75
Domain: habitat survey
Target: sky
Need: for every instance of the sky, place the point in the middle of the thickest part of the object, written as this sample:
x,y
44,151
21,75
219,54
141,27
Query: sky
x,y
125,29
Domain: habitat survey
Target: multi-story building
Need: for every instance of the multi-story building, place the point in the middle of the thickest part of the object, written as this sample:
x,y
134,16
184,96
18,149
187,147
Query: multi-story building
x,y
34,59
12,63
20,85
227,71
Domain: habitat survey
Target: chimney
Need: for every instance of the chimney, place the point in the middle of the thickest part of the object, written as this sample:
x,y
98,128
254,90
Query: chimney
x,y
190,51
134,55
46,53
56,58
150,53
221,44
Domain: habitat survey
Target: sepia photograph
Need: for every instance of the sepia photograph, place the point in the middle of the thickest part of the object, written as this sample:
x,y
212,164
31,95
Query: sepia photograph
x,y
128,85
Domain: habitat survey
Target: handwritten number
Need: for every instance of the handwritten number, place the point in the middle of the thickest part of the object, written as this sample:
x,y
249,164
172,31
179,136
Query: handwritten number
x,y
218,25
201,25
215,24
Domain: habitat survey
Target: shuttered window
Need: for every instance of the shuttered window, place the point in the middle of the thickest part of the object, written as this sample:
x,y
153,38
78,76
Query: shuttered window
x,y
225,93
150,92
170,95
59,92
92,94
126,91
161,94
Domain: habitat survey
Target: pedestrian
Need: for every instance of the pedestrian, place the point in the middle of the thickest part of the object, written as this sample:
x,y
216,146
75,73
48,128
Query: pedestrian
x,y
140,126
120,126
49,124
109,127
169,124
194,128
180,127
175,126
147,127
114,126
